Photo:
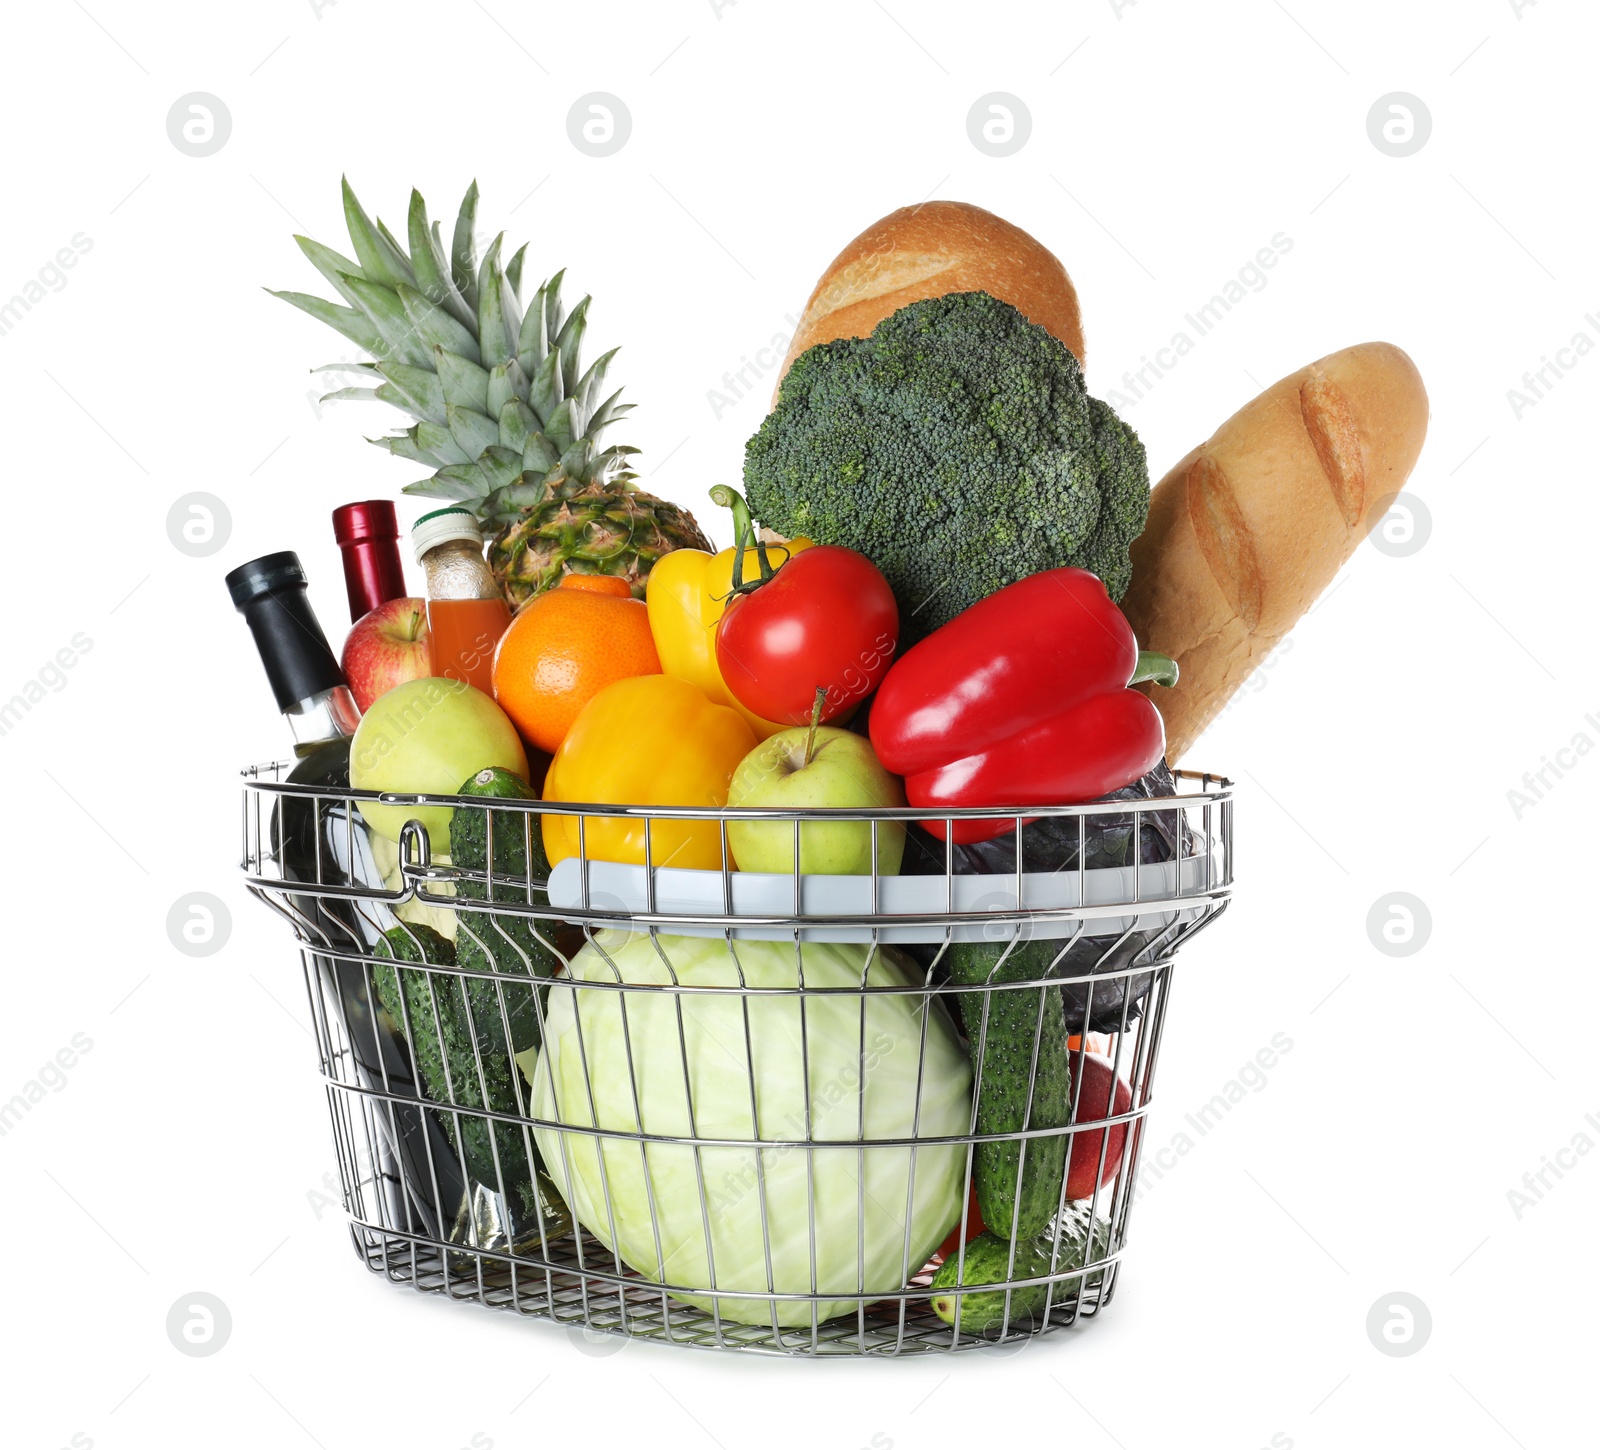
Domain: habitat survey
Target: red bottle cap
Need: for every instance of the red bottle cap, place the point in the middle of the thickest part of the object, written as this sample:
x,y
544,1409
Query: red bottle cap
x,y
368,537
355,523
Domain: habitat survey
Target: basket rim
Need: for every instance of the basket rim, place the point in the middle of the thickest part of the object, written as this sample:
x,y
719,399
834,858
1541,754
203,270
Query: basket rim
x,y
1211,790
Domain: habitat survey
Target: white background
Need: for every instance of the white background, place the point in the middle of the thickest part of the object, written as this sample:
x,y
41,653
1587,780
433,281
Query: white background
x,y
1170,142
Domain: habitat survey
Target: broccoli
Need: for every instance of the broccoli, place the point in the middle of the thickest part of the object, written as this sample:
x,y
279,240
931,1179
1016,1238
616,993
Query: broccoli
x,y
957,448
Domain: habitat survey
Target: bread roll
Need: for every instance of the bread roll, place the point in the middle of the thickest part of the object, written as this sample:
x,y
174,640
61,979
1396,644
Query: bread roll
x,y
928,251
1247,530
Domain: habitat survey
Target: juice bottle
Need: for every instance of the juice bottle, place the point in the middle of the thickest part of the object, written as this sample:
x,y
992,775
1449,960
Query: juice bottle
x,y
466,612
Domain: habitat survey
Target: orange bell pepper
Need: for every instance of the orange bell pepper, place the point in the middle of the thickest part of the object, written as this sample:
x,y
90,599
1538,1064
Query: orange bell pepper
x,y
651,740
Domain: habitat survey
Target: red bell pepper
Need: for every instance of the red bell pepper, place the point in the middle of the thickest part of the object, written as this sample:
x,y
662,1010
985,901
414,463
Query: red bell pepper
x,y
1021,700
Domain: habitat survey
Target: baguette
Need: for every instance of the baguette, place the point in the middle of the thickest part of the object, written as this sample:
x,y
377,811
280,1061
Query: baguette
x,y
1249,529
929,251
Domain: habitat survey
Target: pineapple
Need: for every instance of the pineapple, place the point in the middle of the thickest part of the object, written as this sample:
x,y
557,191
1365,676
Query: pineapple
x,y
504,416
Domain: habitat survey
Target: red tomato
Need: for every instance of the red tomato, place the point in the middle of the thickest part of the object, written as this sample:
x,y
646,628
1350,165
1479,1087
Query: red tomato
x,y
826,620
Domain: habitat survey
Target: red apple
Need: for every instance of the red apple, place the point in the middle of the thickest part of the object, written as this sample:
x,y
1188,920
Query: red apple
x,y
387,647
1094,1102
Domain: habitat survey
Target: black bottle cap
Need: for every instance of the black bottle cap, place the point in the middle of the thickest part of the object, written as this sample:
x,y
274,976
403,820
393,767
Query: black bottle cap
x,y
271,594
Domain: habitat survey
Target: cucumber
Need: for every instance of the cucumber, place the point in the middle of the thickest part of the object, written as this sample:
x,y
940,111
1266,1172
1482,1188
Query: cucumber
x,y
407,995
459,1067
513,830
988,1261
1018,1183
501,941
418,945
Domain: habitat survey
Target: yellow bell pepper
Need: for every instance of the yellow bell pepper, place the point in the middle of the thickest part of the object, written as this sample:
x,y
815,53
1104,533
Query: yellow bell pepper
x,y
686,593
647,741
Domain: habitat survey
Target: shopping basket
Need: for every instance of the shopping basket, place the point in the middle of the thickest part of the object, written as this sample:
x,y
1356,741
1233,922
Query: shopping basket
x,y
732,1109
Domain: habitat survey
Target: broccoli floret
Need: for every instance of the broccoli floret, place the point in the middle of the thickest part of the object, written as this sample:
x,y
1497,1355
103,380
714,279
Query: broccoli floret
x,y
957,448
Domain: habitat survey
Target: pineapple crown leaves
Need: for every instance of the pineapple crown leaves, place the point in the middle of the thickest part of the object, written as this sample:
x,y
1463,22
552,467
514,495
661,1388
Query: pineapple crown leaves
x,y
503,412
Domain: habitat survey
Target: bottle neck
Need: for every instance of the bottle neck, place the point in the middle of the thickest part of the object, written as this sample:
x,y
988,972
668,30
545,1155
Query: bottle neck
x,y
456,569
369,541
328,715
372,574
307,681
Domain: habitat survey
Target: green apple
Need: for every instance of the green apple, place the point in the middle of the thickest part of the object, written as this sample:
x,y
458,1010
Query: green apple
x,y
792,771
426,737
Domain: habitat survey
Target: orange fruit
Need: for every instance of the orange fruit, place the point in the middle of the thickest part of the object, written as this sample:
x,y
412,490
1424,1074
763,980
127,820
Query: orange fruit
x,y
566,645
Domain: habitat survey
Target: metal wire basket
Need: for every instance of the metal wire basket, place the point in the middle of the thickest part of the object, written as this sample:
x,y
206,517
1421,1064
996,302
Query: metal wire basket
x,y
738,1110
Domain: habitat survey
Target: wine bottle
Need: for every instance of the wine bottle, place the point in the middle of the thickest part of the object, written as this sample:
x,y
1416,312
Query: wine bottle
x,y
310,691
305,677
369,540
319,840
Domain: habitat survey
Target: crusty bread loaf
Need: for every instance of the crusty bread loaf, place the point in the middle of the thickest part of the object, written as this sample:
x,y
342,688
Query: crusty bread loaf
x,y
1249,528
931,250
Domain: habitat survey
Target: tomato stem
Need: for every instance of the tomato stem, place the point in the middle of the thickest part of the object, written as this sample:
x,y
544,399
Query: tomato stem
x,y
745,535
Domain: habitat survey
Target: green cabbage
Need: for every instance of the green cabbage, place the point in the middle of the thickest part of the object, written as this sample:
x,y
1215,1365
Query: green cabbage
x,y
860,1067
